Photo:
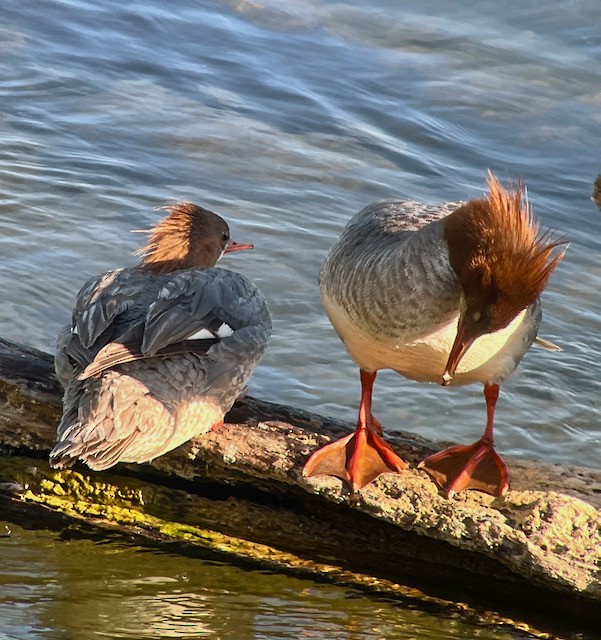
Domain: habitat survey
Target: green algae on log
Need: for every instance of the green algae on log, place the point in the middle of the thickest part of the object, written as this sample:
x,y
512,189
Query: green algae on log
x,y
122,507
533,555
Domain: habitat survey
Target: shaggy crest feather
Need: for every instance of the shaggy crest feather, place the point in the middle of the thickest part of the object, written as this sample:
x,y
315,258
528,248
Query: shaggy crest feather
x,y
496,246
175,242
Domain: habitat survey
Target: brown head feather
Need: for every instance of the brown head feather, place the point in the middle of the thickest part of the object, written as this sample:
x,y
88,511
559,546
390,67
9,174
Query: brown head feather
x,y
501,258
189,236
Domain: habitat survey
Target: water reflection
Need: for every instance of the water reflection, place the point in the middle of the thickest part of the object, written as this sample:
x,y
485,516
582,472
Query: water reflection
x,y
55,589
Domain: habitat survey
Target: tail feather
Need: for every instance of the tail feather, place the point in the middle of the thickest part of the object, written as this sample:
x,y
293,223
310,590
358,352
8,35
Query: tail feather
x,y
116,353
117,420
547,344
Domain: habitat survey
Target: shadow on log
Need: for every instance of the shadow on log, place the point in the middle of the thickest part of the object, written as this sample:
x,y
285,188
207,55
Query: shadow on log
x,y
531,559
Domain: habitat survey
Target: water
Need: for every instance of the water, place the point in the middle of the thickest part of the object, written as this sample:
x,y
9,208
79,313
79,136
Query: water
x,y
288,117
54,588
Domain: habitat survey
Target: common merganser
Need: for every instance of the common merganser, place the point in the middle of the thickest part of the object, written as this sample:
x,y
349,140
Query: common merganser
x,y
443,293
158,353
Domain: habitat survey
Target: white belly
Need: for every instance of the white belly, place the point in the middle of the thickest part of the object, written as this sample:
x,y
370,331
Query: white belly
x,y
490,359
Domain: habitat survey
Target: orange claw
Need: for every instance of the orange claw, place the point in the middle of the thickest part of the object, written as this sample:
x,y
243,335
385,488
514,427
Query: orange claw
x,y
476,466
357,458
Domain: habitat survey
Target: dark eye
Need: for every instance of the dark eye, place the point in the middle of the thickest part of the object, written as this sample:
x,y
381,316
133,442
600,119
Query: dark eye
x,y
225,236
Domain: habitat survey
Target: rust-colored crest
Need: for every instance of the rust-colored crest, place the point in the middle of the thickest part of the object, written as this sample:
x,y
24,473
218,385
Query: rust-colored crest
x,y
498,252
189,236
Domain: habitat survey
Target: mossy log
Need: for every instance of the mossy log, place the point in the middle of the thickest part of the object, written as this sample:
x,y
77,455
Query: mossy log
x,y
531,559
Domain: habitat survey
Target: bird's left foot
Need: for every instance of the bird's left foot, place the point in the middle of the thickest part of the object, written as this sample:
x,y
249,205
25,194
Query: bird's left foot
x,y
476,466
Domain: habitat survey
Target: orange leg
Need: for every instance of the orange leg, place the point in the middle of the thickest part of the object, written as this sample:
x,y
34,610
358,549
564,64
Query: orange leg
x,y
476,466
359,457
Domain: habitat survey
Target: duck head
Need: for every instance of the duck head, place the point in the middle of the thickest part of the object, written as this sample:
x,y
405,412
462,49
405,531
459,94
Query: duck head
x,y
501,259
189,236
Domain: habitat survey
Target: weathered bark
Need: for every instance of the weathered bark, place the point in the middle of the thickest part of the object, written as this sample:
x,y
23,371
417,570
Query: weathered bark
x,y
533,555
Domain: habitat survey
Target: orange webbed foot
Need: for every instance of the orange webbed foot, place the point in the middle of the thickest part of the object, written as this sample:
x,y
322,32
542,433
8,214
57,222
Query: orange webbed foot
x,y
377,425
217,426
357,458
476,466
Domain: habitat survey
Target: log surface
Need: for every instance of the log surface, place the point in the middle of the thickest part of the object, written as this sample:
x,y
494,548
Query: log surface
x,y
533,555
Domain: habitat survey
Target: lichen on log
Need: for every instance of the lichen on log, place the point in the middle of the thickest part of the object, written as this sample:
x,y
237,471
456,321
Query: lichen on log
x,y
533,555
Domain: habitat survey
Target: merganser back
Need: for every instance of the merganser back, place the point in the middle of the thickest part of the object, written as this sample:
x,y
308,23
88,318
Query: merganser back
x,y
158,353
439,293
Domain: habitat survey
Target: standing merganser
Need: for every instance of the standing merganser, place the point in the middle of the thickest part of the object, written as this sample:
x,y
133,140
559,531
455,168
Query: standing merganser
x,y
158,353
439,293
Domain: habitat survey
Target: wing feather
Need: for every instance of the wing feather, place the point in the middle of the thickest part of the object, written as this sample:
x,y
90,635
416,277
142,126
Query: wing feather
x,y
193,304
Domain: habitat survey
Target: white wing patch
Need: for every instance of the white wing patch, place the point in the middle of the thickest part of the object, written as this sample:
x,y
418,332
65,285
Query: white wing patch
x,y
224,330
204,334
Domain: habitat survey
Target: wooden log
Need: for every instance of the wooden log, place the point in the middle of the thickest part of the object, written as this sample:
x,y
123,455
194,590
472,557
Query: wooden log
x,y
530,558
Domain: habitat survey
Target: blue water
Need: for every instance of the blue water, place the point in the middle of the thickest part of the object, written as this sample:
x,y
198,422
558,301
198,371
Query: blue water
x,y
287,117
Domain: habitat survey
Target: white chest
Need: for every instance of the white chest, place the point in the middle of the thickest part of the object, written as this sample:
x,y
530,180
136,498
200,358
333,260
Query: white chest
x,y
491,359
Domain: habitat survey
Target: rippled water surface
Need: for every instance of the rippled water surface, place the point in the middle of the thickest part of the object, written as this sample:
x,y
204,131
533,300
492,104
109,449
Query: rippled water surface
x,y
288,117
61,589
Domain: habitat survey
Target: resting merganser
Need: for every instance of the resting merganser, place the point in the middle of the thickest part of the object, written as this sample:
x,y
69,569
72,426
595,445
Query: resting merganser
x,y
158,353
439,293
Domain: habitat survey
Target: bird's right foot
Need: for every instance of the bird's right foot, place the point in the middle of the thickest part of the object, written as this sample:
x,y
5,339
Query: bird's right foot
x,y
358,458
